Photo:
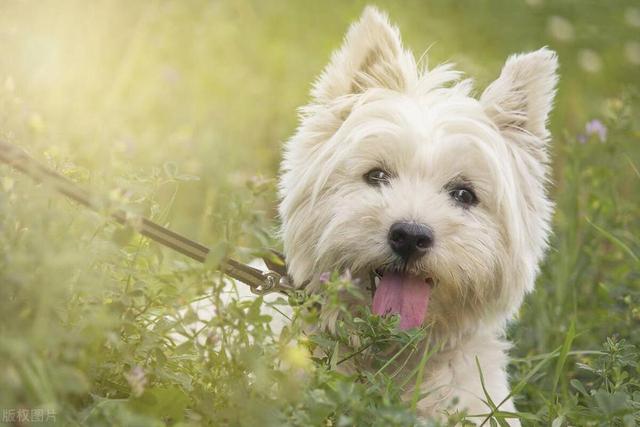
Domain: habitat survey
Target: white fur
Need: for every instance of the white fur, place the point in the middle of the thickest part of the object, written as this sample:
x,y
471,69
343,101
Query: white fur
x,y
373,106
231,292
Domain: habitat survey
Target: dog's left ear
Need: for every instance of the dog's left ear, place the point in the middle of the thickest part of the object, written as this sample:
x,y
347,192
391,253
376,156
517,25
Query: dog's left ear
x,y
371,56
521,98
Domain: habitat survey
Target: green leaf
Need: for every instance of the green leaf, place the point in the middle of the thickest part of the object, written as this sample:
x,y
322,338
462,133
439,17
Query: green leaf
x,y
578,386
123,235
170,169
69,379
562,358
166,402
217,253
557,422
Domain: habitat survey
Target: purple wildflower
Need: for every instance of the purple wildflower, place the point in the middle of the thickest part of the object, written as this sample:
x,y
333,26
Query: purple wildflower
x,y
596,127
324,277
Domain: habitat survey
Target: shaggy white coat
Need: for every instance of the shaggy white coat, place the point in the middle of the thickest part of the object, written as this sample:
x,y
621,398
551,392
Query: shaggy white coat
x,y
375,107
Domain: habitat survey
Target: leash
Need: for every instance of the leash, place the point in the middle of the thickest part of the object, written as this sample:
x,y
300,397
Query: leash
x,y
261,282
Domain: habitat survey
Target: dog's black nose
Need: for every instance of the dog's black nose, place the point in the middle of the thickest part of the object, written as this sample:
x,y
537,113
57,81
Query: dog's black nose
x,y
410,240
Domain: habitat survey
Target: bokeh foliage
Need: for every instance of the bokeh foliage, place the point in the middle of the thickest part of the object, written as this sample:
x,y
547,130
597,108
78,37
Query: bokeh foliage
x,y
177,110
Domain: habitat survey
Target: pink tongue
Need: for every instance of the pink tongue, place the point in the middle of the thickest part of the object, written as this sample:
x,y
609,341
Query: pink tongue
x,y
403,294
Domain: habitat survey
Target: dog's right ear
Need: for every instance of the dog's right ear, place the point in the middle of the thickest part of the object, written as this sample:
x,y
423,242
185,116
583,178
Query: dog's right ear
x,y
371,56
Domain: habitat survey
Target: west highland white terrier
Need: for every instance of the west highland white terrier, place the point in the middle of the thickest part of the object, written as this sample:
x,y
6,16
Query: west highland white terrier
x,y
397,170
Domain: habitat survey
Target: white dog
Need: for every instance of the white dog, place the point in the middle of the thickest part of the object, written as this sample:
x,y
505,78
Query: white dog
x,y
398,170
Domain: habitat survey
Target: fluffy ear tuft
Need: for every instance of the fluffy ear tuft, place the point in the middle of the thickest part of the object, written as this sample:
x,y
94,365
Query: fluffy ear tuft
x,y
371,56
522,97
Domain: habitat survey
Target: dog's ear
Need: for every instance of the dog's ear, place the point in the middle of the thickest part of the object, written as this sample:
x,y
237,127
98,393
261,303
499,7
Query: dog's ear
x,y
371,56
521,98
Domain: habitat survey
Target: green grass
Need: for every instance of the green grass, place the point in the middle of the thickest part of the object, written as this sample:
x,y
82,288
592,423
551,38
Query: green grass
x,y
177,110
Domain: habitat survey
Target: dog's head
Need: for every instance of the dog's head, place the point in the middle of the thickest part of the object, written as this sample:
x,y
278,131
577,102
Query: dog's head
x,y
399,171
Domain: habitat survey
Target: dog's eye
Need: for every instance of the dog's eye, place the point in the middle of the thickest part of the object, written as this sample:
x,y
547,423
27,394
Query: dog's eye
x,y
377,177
464,196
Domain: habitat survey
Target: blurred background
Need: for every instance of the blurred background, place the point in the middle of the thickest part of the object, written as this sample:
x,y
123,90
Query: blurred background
x,y
213,86
178,110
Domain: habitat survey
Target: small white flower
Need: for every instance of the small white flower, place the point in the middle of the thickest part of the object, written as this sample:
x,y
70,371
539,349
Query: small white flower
x,y
632,52
632,16
560,28
589,60
137,380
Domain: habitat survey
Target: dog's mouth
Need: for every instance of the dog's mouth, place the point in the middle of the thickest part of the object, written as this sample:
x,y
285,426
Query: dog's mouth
x,y
404,293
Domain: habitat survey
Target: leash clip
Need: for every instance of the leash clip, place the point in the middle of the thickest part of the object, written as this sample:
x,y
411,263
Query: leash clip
x,y
272,282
